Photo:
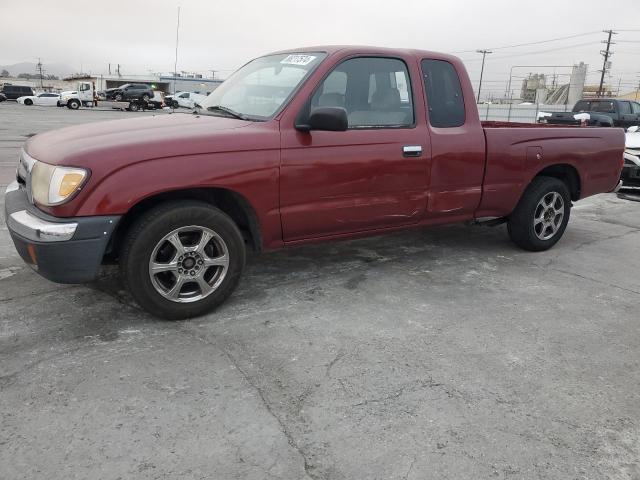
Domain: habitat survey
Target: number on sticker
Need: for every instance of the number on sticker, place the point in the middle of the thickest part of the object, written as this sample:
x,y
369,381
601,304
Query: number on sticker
x,y
298,59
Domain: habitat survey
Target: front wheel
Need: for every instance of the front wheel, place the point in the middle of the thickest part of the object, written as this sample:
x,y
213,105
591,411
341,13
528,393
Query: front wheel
x,y
118,97
182,259
542,215
28,102
74,104
134,107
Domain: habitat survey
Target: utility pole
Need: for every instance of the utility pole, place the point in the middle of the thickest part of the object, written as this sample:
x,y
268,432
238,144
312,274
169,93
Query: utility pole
x,y
606,54
39,68
484,54
213,74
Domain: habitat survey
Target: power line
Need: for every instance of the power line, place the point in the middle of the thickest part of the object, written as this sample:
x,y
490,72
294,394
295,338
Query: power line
x,y
537,52
536,43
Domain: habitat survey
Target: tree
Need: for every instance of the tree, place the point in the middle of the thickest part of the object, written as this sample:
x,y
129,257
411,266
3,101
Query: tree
x,y
4,73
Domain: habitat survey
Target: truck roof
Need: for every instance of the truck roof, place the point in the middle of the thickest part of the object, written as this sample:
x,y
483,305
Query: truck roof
x,y
367,49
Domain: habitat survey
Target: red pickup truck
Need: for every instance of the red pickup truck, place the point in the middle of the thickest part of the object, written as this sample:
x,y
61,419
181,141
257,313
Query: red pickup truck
x,y
298,146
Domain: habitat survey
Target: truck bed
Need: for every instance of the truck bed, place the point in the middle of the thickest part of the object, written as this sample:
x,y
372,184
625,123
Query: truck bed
x,y
517,152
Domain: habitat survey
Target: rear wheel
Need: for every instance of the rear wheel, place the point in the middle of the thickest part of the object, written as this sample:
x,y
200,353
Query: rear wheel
x,y
182,259
134,107
542,214
145,97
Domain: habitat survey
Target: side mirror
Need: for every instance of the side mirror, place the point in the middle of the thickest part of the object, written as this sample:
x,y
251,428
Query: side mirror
x,y
331,119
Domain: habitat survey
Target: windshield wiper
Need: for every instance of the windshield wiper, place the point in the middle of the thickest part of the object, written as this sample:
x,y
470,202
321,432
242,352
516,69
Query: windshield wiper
x,y
228,111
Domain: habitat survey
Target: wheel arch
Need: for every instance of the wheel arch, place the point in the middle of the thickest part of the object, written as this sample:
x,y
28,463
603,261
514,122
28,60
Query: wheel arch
x,y
566,173
230,202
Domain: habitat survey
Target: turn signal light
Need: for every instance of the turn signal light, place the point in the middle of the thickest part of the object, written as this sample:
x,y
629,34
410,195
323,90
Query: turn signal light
x,y
69,183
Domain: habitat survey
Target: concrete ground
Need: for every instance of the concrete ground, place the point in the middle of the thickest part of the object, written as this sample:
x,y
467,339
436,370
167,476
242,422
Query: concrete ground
x,y
443,354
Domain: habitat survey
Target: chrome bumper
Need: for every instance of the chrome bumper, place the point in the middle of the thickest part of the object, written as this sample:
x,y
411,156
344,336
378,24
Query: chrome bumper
x,y
36,229
618,187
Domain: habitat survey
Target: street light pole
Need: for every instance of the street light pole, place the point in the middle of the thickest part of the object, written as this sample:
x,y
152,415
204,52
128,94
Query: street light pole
x,y
484,54
175,64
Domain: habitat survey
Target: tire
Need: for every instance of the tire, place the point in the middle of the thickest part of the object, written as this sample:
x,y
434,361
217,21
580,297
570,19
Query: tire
x,y
118,97
134,107
536,224
154,236
145,98
28,102
73,104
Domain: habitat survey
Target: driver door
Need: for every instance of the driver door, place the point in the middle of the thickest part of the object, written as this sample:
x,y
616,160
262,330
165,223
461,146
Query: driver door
x,y
372,176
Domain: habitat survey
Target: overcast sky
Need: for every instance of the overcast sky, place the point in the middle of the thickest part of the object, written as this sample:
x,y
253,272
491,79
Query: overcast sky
x,y
224,34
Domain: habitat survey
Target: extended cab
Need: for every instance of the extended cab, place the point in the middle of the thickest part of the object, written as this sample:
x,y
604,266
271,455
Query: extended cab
x,y
296,147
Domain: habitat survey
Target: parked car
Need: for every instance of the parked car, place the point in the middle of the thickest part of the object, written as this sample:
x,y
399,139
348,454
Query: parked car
x,y
631,169
42,99
131,91
13,92
185,99
606,112
3,97
296,147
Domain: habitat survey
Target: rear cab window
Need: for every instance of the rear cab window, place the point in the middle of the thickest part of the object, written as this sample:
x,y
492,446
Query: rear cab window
x,y
445,101
582,106
603,106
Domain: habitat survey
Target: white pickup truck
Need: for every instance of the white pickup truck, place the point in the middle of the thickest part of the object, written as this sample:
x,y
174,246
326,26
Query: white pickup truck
x,y
185,99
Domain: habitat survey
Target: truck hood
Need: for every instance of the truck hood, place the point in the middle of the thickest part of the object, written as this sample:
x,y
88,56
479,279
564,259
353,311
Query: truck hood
x,y
122,142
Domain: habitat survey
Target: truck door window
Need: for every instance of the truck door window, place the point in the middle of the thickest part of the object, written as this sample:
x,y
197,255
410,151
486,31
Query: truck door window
x,y
625,108
636,107
445,102
373,90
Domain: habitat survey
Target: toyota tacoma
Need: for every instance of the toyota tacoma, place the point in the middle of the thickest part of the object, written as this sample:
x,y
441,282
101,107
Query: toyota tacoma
x,y
295,147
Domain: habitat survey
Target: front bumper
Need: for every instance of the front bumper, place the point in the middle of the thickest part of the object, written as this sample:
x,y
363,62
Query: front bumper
x,y
631,170
63,250
630,176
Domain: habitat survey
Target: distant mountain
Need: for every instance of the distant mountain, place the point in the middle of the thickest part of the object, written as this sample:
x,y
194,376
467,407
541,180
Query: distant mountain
x,y
57,69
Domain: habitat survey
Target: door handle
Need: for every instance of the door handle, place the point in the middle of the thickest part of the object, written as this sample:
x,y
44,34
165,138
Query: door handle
x,y
412,150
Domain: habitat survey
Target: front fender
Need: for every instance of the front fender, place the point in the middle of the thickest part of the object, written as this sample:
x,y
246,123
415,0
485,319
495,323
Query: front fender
x,y
253,175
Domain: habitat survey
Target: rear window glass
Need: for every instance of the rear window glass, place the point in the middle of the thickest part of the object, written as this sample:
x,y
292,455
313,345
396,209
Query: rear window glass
x,y
603,106
582,106
445,102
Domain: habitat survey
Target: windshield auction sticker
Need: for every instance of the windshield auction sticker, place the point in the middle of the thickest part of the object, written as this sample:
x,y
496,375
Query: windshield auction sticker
x,y
298,59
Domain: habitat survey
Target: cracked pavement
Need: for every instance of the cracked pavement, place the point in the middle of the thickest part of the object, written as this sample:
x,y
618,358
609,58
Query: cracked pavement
x,y
442,353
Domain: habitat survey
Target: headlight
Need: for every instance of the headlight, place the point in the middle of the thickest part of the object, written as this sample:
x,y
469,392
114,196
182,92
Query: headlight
x,y
51,185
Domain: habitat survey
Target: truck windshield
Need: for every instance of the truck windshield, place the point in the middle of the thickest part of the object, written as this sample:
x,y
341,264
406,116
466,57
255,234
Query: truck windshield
x,y
259,89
